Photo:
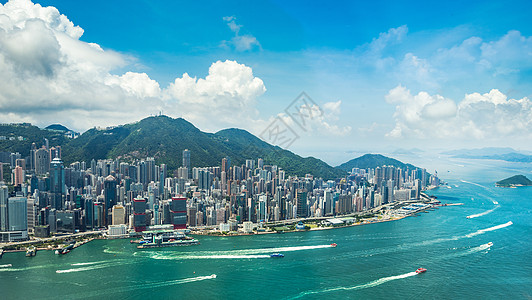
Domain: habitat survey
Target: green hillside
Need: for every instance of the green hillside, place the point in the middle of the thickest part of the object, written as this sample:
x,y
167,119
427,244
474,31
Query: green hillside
x,y
517,180
165,138
24,135
373,161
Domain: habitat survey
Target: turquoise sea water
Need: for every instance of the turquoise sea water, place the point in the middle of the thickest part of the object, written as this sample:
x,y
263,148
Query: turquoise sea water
x,y
370,262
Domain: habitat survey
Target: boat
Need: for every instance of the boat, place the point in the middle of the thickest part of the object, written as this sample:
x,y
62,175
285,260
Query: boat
x,y
490,244
65,250
280,255
213,276
421,270
1,253
158,242
333,245
31,251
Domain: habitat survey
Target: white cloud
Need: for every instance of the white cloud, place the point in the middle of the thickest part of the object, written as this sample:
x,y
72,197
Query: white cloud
x,y
240,42
488,116
48,75
229,91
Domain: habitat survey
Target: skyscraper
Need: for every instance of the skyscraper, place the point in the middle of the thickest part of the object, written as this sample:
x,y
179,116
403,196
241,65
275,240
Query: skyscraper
x,y
186,159
109,191
57,183
178,211
4,206
42,161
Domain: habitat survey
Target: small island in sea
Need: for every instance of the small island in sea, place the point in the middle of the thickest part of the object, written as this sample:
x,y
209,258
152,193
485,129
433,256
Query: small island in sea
x,y
514,181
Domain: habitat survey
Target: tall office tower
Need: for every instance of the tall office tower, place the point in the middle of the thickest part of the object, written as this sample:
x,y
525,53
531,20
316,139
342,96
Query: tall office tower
x,y
19,176
178,211
225,166
1,172
119,215
42,161
142,176
109,191
18,218
301,200
57,183
150,169
384,193
32,156
260,163
391,185
4,206
186,160
139,214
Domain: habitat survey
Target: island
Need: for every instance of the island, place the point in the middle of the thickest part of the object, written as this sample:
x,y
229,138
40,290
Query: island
x,y
514,181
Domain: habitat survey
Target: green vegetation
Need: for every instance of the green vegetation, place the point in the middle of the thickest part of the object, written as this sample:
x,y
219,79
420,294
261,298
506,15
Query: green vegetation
x,y
30,134
165,138
373,161
517,180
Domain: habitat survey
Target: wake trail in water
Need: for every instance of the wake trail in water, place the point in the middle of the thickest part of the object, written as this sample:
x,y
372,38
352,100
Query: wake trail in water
x,y
359,287
233,254
479,185
481,231
90,263
483,213
6,266
92,266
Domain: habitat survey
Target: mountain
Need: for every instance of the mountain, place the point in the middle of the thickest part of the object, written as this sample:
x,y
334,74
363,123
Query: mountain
x,y
165,138
517,180
506,154
373,161
58,127
19,137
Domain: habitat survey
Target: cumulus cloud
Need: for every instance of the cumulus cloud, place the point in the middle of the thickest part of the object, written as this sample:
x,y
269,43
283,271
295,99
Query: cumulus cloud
x,y
241,42
479,116
230,90
48,75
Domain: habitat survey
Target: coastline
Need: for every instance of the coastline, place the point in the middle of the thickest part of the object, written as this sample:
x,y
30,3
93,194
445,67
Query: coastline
x,y
394,216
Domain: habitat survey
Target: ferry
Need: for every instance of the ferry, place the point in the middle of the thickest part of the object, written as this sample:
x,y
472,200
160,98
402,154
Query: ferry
x,y
421,270
333,245
280,255
31,251
65,250
158,242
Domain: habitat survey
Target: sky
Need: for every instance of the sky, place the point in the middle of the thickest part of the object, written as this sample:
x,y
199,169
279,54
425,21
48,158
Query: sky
x,y
321,78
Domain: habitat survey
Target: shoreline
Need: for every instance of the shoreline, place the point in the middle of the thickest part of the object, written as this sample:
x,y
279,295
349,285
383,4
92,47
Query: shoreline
x,y
431,205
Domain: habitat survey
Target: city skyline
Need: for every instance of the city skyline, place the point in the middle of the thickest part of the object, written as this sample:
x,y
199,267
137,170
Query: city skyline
x,y
380,75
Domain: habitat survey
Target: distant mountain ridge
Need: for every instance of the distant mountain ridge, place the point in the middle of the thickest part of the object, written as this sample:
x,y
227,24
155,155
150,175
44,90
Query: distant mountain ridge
x,y
373,161
496,153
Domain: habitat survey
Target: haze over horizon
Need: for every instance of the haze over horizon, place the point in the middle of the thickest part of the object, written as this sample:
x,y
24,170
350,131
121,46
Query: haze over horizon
x,y
376,75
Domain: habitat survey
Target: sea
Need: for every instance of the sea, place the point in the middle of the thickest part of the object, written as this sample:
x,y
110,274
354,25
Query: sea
x,y
376,261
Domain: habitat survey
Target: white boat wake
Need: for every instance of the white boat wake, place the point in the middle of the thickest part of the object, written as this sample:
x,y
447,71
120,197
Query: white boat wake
x,y
483,213
481,231
234,254
358,287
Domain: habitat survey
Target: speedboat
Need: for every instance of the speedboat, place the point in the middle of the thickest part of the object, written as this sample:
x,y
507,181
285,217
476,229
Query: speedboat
x,y
490,244
280,255
421,270
333,245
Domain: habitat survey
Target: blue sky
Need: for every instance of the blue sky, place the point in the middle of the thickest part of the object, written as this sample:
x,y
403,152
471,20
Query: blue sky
x,y
382,74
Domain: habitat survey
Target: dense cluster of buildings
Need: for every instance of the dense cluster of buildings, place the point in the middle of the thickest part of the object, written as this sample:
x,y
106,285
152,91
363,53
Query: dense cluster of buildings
x,y
45,196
